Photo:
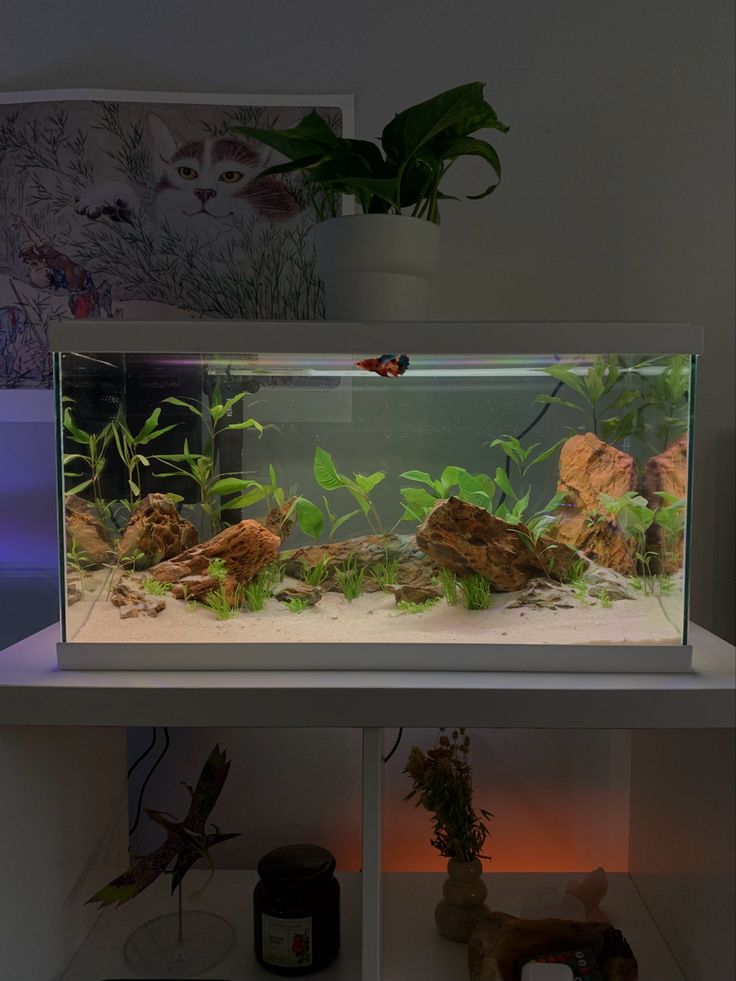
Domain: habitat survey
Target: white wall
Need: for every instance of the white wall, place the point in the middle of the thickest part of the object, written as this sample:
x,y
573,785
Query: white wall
x,y
617,202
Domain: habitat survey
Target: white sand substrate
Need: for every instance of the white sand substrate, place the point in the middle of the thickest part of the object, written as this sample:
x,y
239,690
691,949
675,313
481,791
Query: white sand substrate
x,y
374,618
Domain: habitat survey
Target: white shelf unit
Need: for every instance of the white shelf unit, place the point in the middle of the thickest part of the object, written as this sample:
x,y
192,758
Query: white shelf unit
x,y
413,950
62,751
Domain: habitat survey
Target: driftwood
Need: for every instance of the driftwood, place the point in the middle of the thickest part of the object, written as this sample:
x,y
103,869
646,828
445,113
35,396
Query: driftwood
x,y
500,944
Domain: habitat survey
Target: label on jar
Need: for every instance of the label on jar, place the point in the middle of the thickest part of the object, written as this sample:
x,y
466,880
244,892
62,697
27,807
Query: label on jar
x,y
287,943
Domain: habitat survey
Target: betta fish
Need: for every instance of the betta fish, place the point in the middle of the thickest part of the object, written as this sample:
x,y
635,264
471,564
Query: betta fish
x,y
387,366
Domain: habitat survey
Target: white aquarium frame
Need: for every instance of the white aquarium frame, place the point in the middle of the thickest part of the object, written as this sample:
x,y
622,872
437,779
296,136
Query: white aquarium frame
x,y
334,337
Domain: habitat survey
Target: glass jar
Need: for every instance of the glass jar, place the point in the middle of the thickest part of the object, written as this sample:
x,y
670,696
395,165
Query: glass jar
x,y
296,910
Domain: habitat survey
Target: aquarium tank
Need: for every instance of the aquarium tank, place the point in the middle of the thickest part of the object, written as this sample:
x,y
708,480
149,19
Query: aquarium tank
x,y
471,496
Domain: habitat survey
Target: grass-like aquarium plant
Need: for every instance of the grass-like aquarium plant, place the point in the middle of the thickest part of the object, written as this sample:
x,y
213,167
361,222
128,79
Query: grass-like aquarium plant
x,y
407,606
315,575
350,578
402,175
475,591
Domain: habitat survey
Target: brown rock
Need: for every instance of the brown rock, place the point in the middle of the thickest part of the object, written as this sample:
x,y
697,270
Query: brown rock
x,y
246,548
414,567
667,472
302,591
150,608
416,594
157,530
466,539
598,538
588,468
501,942
279,520
84,528
73,591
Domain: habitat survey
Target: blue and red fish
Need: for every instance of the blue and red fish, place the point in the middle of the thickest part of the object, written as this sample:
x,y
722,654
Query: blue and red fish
x,y
387,366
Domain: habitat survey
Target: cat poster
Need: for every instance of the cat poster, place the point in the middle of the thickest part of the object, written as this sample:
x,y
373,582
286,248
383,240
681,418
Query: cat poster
x,y
131,205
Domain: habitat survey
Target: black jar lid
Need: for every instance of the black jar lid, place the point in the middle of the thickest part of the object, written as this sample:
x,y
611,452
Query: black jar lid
x,y
296,865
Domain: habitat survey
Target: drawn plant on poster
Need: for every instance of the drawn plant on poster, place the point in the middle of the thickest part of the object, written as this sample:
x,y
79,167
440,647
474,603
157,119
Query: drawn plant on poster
x,y
144,211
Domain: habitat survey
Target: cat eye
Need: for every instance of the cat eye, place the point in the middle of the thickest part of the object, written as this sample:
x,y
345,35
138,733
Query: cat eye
x,y
188,173
231,176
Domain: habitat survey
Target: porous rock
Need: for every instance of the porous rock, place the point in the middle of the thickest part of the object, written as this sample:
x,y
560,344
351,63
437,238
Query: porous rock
x,y
466,538
245,548
279,519
416,594
84,528
148,607
501,942
588,468
134,601
666,472
157,531
300,591
414,567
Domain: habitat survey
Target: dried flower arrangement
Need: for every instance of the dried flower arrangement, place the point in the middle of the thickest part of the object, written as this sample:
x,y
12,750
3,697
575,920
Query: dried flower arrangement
x,y
443,784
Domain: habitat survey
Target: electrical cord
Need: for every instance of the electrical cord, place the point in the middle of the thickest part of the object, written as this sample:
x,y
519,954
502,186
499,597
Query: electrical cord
x,y
395,746
143,754
139,807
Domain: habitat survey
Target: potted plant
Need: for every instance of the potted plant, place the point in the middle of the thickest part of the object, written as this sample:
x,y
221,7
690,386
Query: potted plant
x,y
379,264
443,785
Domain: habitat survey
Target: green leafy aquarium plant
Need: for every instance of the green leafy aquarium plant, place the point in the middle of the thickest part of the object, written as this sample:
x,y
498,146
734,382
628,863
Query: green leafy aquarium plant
x,y
476,488
594,387
350,577
442,784
93,459
406,606
315,575
634,517
201,468
475,591
129,445
401,176
360,487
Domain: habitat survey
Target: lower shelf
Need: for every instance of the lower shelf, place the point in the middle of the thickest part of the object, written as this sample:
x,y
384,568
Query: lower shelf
x,y
412,949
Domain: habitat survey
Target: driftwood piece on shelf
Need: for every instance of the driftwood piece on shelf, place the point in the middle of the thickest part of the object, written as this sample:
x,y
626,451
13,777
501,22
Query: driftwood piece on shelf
x,y
499,945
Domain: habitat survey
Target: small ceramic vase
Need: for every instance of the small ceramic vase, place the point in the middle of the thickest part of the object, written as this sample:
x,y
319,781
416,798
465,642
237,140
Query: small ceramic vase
x,y
463,906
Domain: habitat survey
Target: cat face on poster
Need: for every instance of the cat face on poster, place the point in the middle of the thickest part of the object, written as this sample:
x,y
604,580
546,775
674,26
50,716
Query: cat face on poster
x,y
201,184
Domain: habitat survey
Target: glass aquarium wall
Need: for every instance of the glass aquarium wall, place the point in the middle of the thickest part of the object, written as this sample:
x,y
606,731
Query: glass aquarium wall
x,y
357,498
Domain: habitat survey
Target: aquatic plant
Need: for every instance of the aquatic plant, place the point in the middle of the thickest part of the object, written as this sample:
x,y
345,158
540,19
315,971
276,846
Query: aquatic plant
x,y
156,588
442,784
634,517
406,606
261,588
384,573
129,445
94,459
350,577
315,575
359,487
201,467
448,580
592,386
604,599
308,516
218,569
670,519
476,489
80,561
475,590
297,604
221,605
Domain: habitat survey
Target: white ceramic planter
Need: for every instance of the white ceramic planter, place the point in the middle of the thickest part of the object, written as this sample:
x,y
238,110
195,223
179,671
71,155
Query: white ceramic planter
x,y
377,267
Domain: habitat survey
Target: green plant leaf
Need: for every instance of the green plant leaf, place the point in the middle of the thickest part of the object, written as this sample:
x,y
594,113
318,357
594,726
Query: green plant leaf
x,y
469,146
556,400
342,519
324,471
231,485
367,483
421,476
504,483
78,488
172,400
547,453
568,377
149,426
309,517
253,496
77,434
